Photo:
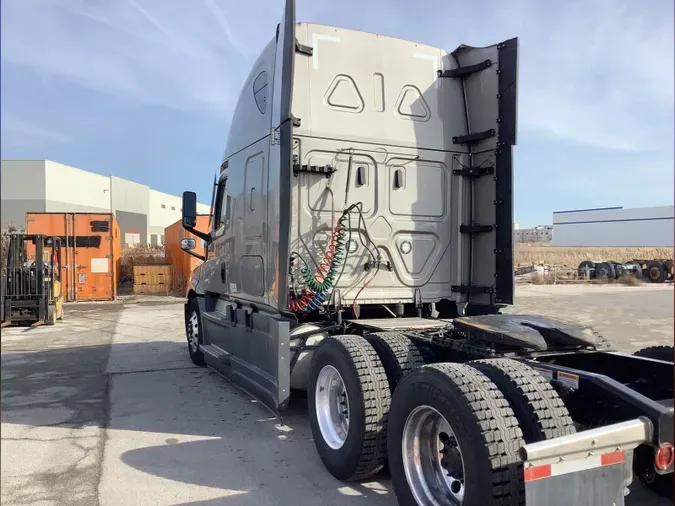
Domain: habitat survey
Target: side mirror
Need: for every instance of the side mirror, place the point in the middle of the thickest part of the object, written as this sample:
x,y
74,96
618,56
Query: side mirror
x,y
188,244
189,210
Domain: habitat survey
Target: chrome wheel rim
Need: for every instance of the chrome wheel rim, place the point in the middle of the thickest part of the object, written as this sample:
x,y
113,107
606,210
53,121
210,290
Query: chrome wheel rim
x,y
332,407
432,459
193,331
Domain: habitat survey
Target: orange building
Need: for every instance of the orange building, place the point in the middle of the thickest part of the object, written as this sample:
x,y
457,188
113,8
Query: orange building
x,y
182,263
90,252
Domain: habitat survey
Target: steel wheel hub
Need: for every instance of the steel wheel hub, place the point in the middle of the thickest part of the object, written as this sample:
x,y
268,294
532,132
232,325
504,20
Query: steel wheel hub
x,y
332,407
193,331
432,459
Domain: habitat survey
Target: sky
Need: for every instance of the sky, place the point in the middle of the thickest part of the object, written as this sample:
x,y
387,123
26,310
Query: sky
x,y
144,89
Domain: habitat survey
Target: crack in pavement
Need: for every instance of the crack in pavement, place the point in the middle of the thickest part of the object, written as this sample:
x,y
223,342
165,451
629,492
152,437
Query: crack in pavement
x,y
55,406
56,400
157,369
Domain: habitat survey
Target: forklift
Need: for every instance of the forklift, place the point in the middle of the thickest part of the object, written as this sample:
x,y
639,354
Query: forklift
x,y
31,291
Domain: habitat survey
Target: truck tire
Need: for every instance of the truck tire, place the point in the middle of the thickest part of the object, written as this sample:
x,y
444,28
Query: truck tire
x,y
584,267
668,265
398,354
643,467
618,270
664,353
539,409
349,399
453,434
661,484
656,272
193,331
604,270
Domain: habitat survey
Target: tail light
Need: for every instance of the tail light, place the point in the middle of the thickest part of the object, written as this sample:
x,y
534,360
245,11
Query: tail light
x,y
663,458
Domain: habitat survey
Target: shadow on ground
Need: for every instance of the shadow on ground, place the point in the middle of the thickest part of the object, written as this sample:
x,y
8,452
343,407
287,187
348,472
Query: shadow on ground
x,y
184,424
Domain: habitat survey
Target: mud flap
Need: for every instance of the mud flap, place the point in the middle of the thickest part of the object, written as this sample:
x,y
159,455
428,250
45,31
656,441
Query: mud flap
x,y
489,83
585,482
589,468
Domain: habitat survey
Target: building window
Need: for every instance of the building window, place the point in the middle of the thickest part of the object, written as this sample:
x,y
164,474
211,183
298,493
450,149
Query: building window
x,y
173,208
163,206
161,237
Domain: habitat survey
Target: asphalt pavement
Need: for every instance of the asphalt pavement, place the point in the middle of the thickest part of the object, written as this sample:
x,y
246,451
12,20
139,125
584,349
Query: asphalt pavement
x,y
107,409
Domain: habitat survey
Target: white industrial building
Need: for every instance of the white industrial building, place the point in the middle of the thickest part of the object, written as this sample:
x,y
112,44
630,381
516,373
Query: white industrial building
x,y
46,186
540,233
614,226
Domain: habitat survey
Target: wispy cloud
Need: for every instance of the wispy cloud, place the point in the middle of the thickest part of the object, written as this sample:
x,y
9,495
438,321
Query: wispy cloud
x,y
592,72
165,52
221,19
20,133
595,72
609,78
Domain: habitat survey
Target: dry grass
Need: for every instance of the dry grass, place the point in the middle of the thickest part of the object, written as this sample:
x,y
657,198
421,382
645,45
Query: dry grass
x,y
628,280
143,255
625,279
538,279
552,279
178,283
538,254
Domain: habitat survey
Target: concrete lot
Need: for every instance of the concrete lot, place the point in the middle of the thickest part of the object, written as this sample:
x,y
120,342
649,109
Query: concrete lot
x,y
106,408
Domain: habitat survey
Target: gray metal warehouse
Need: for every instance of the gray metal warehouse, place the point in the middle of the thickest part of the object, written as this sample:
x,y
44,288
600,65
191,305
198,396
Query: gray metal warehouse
x,y
46,186
614,226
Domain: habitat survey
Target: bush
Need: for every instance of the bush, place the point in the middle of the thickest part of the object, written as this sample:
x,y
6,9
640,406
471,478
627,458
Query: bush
x,y
538,279
629,280
140,255
178,283
5,246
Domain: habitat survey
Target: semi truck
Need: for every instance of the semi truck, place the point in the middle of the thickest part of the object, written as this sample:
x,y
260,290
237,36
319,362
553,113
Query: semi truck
x,y
360,250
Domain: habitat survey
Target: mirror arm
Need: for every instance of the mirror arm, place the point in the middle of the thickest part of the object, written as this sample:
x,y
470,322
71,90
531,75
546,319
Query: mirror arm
x,y
196,255
201,235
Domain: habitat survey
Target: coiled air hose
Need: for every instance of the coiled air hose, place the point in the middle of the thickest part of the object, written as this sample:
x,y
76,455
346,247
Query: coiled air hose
x,y
326,275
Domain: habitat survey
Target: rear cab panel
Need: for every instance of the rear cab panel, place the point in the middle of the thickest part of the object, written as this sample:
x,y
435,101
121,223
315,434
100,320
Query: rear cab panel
x,y
378,104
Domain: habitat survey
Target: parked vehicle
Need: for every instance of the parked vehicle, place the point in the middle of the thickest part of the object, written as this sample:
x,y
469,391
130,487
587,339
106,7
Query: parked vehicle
x,y
31,292
654,271
361,249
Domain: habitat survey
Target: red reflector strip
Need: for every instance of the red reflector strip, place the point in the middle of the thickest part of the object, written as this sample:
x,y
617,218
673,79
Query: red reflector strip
x,y
538,472
592,461
608,459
